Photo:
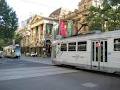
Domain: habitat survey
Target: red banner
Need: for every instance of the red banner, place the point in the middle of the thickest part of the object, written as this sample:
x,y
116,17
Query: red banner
x,y
63,29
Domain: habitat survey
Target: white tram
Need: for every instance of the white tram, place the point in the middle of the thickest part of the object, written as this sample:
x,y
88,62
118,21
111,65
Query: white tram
x,y
95,51
13,51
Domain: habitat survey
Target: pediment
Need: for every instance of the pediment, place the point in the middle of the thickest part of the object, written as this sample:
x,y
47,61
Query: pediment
x,y
36,19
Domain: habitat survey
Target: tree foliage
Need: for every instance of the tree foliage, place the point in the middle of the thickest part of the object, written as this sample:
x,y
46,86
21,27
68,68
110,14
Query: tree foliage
x,y
8,21
114,2
105,17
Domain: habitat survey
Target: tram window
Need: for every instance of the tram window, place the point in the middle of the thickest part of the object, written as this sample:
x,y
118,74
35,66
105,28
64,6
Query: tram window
x,y
82,46
117,44
63,47
72,46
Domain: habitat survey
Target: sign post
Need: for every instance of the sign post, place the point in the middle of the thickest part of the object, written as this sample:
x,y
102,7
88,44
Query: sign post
x,y
98,45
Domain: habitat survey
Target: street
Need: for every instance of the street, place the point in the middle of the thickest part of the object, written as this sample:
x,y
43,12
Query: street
x,y
35,73
82,33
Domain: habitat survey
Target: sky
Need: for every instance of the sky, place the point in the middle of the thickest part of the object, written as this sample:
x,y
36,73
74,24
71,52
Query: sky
x,y
26,8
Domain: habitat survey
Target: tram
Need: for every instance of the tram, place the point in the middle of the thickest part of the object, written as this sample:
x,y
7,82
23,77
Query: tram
x,y
94,51
12,51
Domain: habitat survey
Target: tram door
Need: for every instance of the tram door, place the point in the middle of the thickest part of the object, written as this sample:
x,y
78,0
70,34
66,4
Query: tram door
x,y
99,54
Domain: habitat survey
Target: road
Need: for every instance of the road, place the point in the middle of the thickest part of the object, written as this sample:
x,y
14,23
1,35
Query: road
x,y
30,73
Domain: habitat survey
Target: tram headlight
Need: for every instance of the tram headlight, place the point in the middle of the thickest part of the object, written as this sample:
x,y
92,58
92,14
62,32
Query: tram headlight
x,y
13,51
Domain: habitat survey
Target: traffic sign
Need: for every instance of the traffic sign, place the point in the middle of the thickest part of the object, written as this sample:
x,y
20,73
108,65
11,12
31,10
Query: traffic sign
x,y
98,44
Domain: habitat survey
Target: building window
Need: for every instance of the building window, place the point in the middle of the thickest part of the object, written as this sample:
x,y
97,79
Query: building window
x,y
36,29
117,44
82,46
49,28
72,46
41,29
64,47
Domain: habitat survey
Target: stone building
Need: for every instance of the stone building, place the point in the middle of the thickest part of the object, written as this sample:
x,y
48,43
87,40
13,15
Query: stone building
x,y
59,13
37,35
79,15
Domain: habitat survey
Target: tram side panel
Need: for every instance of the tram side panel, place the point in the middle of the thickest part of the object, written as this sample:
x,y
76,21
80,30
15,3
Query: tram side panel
x,y
84,58
61,54
84,55
75,57
57,55
113,55
70,54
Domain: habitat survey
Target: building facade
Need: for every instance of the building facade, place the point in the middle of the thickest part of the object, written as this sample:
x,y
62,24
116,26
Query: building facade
x,y
38,32
37,36
79,16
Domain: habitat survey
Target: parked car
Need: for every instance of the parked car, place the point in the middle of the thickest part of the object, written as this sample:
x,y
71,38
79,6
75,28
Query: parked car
x,y
33,54
1,54
28,54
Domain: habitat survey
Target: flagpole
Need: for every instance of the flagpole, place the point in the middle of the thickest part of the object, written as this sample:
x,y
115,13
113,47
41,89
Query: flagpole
x,y
59,20
59,25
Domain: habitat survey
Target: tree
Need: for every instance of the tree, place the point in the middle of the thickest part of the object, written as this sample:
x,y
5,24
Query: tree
x,y
114,2
8,21
2,43
94,19
105,17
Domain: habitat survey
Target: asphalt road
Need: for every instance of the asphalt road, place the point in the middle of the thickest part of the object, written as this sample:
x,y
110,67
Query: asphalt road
x,y
6,63
40,76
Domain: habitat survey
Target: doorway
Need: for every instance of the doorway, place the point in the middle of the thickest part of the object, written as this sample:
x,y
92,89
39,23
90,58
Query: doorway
x,y
99,54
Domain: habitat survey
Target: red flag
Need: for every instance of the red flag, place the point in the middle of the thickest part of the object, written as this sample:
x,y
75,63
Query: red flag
x,y
63,29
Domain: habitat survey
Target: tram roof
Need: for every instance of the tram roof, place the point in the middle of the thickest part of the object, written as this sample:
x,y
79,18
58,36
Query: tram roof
x,y
12,46
96,34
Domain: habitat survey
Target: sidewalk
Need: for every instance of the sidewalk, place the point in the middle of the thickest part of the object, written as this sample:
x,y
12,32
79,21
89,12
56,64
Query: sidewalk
x,y
37,59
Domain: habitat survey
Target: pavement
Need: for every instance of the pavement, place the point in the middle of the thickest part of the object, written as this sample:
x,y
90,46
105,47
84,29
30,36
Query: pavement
x,y
46,60
28,72
36,73
54,78
9,63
